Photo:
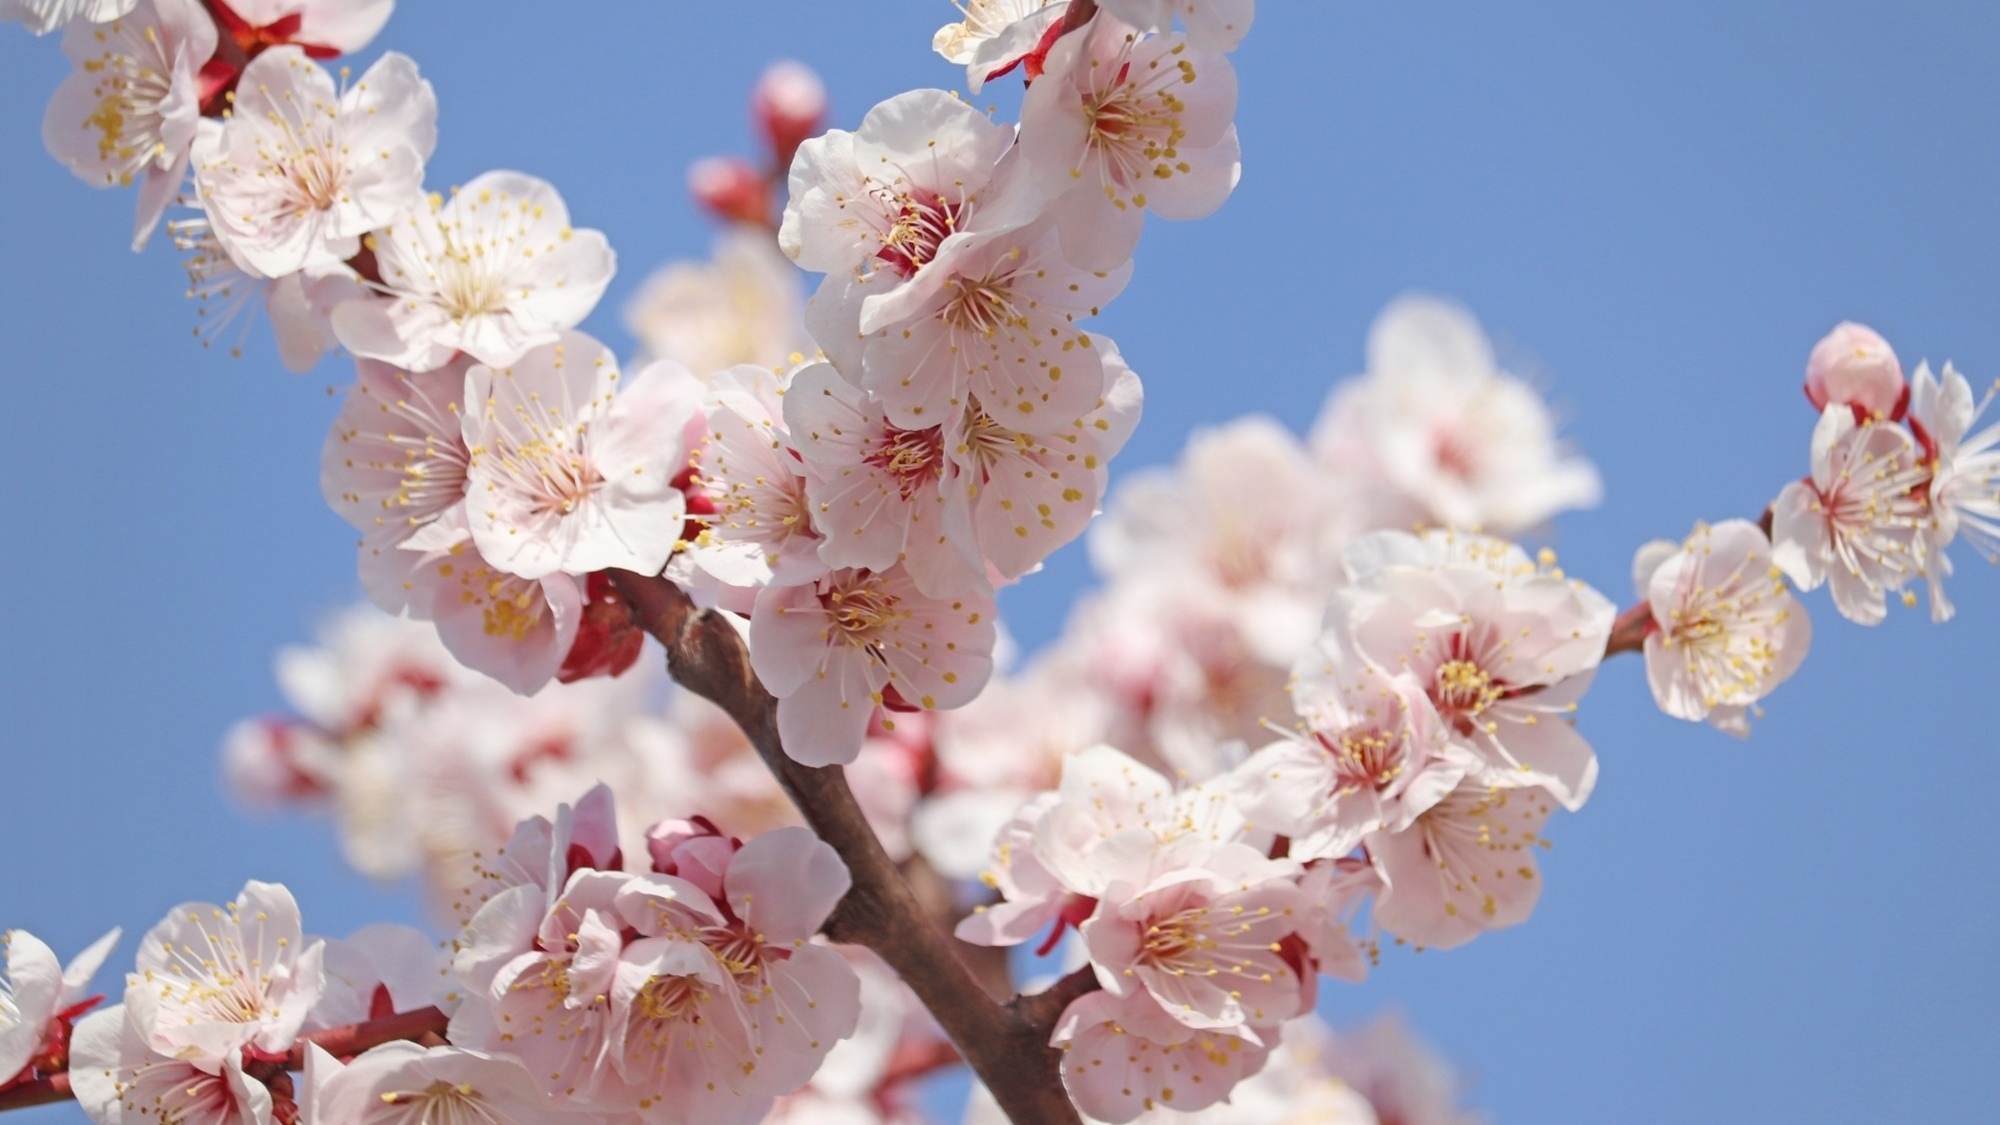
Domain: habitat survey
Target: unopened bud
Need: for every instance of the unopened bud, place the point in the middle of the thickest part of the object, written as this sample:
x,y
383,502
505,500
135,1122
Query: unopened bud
x,y
608,641
694,850
1854,366
789,104
731,189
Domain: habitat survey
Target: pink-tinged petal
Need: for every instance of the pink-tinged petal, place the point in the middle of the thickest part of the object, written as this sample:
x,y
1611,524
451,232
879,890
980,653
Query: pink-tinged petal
x,y
1008,923
822,722
1122,1058
785,883
34,977
1464,867
1800,542
814,1001
788,638
833,317
344,25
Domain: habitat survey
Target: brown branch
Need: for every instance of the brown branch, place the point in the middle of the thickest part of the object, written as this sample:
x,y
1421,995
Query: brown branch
x,y
1628,633
1007,1049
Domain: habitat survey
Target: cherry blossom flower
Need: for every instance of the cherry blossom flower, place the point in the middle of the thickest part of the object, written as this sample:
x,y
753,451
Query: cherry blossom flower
x,y
1964,489
1467,865
775,893
44,16
1727,629
39,995
741,306
516,630
394,466
215,979
119,1079
880,494
566,476
1124,1057
494,272
1857,522
1030,493
324,28
995,320
129,112
1502,648
1218,934
834,650
1373,755
762,530
1437,433
1854,366
1124,125
996,35
302,169
1212,25
401,1083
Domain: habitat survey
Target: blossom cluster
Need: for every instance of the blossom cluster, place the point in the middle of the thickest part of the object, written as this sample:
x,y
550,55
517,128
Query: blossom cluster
x,y
692,988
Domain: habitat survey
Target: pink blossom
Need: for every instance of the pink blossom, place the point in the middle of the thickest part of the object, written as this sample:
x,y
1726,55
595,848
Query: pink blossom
x,y
1727,629
996,35
762,530
1854,366
1212,25
1857,521
37,991
1467,865
394,467
1124,1058
130,111
567,476
1122,125
495,272
380,970
516,630
215,979
1964,490
402,1083
832,652
120,1079
1502,648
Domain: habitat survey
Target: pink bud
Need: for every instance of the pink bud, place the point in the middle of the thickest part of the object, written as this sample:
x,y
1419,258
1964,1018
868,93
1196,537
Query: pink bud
x,y
789,103
731,189
694,850
1854,366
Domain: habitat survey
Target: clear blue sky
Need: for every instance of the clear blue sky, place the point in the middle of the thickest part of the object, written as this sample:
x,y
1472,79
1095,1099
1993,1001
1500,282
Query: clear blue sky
x,y
1656,209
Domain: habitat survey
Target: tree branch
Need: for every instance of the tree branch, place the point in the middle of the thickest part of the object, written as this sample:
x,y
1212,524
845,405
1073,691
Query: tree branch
x,y
1628,633
45,1091
1004,1046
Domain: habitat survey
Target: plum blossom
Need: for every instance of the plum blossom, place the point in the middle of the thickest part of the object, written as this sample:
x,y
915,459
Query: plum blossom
x,y
44,16
1502,648
1437,433
381,970
39,994
1467,865
299,305
119,1079
1964,490
1372,755
996,35
762,530
742,306
1858,522
880,494
567,476
1124,1057
1218,934
1727,630
215,979
1212,25
301,169
402,1083
514,629
494,272
394,466
1122,125
1030,493
834,650
130,112
1854,366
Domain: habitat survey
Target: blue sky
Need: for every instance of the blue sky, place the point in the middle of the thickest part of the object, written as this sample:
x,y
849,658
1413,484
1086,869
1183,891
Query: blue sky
x,y
1655,209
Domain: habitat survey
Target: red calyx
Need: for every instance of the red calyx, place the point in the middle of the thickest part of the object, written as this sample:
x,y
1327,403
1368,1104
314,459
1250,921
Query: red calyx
x,y
1075,909
607,640
1031,64
241,42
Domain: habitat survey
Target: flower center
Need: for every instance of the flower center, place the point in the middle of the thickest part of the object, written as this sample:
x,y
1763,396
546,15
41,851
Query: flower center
x,y
922,222
1462,689
860,614
129,92
982,305
1135,126
913,458
1365,759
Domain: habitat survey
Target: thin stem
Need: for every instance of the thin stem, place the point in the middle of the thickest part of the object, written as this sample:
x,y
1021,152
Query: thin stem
x,y
1006,1045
